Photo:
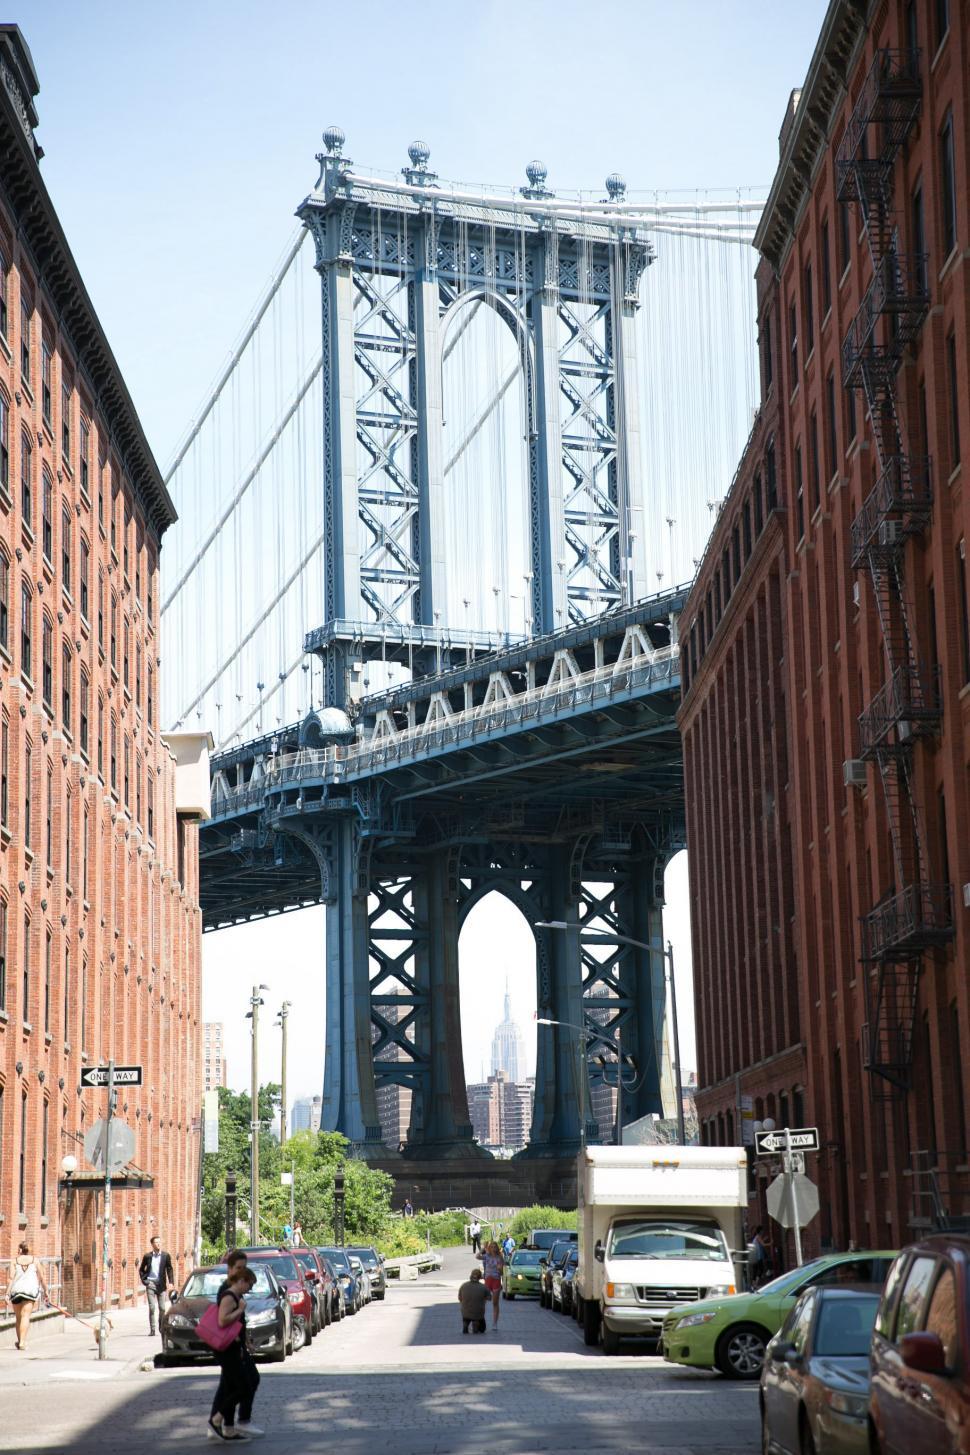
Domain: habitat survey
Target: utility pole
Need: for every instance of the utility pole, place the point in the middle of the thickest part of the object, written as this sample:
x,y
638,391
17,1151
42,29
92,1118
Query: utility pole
x,y
790,1181
282,1017
106,1229
681,1133
253,1015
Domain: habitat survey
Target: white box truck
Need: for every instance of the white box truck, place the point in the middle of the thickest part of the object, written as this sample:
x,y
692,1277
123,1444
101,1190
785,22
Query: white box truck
x,y
658,1227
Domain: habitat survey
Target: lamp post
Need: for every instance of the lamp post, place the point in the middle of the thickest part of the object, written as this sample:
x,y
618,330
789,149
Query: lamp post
x,y
542,1020
668,958
282,1016
253,1014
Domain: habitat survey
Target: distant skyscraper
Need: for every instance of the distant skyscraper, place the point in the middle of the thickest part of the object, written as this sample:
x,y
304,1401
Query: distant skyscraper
x,y
305,1115
215,1058
508,1050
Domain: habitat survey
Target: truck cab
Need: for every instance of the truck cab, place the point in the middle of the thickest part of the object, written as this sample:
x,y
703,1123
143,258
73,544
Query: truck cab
x,y
659,1227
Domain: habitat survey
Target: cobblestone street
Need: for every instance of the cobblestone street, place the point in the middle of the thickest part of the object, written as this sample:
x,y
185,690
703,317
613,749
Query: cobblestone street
x,y
398,1376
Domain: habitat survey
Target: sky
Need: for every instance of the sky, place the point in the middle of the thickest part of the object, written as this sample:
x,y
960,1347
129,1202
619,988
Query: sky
x,y
179,138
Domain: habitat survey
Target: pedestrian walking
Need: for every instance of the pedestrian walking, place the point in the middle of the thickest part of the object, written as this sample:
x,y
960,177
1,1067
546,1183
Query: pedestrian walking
x,y
493,1264
408,1208
155,1272
476,1236
473,1297
238,1375
758,1258
26,1289
508,1246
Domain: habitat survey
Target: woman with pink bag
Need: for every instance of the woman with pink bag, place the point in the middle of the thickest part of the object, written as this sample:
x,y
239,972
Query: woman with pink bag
x,y
237,1384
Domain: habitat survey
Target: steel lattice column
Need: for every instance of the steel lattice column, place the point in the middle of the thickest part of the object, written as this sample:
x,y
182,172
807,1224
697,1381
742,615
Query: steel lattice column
x,y
642,981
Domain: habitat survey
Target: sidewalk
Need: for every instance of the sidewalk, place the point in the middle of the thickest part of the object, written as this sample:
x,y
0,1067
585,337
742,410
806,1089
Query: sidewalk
x,y
73,1354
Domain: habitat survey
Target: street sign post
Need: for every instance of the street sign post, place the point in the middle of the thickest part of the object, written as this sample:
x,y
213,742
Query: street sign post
x,y
123,1076
106,1230
109,1146
801,1139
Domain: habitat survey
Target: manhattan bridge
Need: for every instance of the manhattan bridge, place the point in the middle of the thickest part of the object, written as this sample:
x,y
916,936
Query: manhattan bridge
x,y
426,511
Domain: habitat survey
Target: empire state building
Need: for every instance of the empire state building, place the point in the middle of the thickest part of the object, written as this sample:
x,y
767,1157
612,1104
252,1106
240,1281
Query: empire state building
x,y
508,1051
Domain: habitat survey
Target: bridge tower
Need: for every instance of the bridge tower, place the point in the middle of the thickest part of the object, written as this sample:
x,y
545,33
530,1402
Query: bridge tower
x,y
395,258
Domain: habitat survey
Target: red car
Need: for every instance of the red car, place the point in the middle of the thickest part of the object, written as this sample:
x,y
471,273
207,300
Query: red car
x,y
299,1291
322,1284
919,1392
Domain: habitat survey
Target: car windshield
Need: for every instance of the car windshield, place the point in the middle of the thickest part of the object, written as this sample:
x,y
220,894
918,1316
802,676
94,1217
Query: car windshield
x,y
338,1259
787,1281
667,1238
546,1237
283,1266
304,1256
367,1256
207,1284
526,1258
845,1325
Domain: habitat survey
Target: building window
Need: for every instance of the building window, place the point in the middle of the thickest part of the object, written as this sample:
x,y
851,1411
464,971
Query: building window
x,y
101,610
150,698
852,428
66,550
948,190
4,445
4,285
28,765
45,1129
138,789
766,351
50,817
47,517
66,422
771,478
814,461
25,312
113,754
809,310
964,608
845,238
793,344
941,15
83,998
3,973
84,693
826,266
4,770
66,688
47,664
45,380
66,1023
26,481
22,1179
48,953
126,641
952,382
832,431
150,574
4,602
759,510
799,500
151,806
84,855
25,630
138,676
113,638
102,470
25,982
101,738
127,769
84,453
918,226
83,577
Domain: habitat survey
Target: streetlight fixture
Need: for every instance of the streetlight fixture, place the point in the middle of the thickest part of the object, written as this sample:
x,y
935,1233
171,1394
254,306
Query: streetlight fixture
x,y
282,1015
252,1014
668,958
581,1033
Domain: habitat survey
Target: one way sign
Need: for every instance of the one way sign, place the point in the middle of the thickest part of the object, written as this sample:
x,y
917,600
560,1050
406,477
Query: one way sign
x,y
803,1139
98,1076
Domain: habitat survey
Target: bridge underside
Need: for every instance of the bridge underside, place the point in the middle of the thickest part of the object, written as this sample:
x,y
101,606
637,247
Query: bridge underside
x,y
567,797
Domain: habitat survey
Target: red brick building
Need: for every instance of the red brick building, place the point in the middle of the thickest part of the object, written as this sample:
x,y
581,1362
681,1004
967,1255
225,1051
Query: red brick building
x,y
826,712
99,918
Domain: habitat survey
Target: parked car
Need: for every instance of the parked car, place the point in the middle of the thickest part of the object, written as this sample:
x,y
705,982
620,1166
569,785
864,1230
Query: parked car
x,y
731,1333
362,1276
269,1331
374,1264
338,1309
919,1397
550,1260
562,1281
320,1279
346,1277
545,1238
521,1274
815,1379
290,1274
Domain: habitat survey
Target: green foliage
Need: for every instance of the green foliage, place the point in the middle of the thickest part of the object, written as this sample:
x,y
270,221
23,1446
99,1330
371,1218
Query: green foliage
x,y
528,1218
234,1154
400,1239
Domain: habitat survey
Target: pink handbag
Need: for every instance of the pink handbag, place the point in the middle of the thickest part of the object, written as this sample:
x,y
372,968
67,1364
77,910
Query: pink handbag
x,y
211,1332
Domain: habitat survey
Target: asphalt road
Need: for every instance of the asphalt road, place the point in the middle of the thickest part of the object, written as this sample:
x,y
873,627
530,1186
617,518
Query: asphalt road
x,y
398,1378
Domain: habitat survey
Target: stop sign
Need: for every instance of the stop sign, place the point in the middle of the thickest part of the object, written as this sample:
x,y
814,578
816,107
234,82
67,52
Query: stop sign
x,y
792,1202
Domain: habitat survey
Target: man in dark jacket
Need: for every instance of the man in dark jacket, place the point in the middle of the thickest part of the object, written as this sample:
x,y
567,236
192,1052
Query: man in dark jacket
x,y
155,1272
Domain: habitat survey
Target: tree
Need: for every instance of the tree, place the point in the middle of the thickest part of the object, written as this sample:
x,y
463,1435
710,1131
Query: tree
x,y
234,1153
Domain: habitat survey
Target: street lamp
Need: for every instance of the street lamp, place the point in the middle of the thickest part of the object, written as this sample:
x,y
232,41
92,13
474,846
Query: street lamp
x,y
581,1033
621,1084
253,1014
668,957
282,1015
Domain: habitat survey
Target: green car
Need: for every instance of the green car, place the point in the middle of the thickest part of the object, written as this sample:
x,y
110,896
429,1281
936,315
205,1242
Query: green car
x,y
523,1272
731,1334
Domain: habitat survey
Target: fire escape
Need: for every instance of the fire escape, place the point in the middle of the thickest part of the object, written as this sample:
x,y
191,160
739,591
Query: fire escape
x,y
915,915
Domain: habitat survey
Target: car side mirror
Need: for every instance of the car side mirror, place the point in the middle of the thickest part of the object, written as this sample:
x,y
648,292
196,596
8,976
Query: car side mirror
x,y
924,1352
599,1253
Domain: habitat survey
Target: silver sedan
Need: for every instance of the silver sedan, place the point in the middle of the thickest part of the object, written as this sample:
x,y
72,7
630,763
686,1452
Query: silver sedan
x,y
815,1379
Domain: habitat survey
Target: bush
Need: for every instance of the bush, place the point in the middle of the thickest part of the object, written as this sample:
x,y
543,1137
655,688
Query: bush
x,y
528,1218
400,1240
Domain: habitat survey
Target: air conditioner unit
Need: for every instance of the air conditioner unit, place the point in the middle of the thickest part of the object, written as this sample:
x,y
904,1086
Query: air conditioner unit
x,y
854,773
856,593
890,532
966,896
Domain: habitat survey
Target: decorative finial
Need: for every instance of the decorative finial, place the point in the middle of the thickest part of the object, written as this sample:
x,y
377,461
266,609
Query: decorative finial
x,y
419,152
536,173
418,173
333,140
615,187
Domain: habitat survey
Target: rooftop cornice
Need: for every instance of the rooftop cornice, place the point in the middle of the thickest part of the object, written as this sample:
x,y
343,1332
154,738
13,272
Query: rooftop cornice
x,y
843,31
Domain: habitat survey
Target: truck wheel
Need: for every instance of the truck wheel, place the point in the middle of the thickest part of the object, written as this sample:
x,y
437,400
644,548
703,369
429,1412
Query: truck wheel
x,y
611,1341
741,1351
591,1323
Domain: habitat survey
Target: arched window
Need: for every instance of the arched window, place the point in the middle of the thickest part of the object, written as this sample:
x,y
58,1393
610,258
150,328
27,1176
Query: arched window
x,y
66,552
84,693
26,480
47,517
66,675
83,574
47,663
4,601
26,630
4,444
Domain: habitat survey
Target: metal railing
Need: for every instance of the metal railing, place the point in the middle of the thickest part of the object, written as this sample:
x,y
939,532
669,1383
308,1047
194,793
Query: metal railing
x,y
899,290
903,493
909,702
890,95
904,924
